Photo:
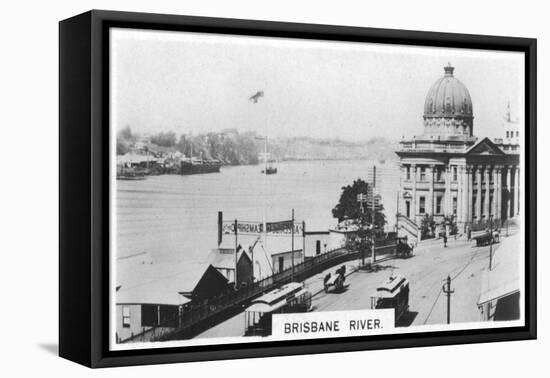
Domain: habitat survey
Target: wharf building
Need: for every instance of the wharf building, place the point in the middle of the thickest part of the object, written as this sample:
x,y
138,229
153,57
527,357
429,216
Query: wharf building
x,y
449,173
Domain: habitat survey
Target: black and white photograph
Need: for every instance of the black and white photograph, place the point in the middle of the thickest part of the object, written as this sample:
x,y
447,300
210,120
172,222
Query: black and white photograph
x,y
269,189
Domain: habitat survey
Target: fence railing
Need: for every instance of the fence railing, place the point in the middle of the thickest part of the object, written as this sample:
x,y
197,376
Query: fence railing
x,y
197,312
200,311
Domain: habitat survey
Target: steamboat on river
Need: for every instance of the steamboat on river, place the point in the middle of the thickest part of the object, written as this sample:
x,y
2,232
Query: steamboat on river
x,y
198,166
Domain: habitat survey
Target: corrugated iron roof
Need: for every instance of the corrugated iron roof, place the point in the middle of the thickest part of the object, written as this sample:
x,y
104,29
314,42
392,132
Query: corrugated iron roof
x,y
156,283
503,279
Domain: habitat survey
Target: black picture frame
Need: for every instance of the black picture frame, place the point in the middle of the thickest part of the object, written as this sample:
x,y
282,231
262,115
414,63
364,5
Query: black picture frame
x,y
84,187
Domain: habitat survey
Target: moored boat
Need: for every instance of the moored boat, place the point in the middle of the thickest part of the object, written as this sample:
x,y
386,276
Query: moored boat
x,y
197,166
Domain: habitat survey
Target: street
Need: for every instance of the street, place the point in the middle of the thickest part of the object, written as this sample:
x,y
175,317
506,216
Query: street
x,y
426,270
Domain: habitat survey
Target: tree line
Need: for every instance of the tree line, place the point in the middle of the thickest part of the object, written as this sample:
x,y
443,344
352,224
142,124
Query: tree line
x,y
234,148
231,148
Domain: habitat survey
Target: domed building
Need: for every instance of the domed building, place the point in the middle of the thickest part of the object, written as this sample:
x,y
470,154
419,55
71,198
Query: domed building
x,y
449,173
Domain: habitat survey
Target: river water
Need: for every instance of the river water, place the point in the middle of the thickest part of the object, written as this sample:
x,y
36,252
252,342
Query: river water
x,y
174,218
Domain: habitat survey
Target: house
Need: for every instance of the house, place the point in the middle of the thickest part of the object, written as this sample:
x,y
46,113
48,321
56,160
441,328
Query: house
x,y
151,294
223,260
316,242
284,260
267,255
340,235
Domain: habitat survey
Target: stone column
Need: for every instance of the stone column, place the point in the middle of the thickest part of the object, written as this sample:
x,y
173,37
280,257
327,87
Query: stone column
x,y
447,190
516,191
460,188
464,198
478,198
486,209
431,197
413,203
494,210
402,180
499,192
470,193
508,192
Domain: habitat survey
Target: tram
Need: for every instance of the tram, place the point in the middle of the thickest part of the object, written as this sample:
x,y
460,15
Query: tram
x,y
289,298
392,293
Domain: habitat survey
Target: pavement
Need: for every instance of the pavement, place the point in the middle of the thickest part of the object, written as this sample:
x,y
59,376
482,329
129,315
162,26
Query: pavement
x,y
426,270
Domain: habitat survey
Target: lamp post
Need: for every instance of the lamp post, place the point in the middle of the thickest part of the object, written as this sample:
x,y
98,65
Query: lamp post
x,y
362,198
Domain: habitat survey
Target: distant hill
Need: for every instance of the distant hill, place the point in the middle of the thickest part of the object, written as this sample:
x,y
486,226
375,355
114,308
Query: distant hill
x,y
306,148
232,147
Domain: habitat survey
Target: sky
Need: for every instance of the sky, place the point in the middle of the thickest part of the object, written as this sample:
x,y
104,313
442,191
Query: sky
x,y
197,83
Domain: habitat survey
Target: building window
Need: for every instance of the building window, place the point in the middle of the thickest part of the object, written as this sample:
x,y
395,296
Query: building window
x,y
517,134
422,204
438,174
317,247
422,173
126,316
507,134
438,201
455,174
408,170
455,202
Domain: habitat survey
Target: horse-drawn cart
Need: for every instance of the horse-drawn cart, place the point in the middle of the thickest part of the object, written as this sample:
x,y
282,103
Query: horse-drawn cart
x,y
336,280
403,248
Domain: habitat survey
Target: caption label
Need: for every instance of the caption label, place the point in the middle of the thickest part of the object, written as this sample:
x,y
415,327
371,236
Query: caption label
x,y
333,323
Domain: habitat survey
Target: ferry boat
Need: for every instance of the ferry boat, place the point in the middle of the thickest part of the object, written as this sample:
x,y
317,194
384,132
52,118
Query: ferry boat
x,y
197,166
269,168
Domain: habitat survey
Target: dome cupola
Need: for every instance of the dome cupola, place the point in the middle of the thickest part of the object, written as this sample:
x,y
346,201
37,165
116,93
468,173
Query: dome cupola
x,y
448,108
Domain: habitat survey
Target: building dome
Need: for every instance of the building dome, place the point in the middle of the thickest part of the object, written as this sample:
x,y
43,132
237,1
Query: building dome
x,y
448,108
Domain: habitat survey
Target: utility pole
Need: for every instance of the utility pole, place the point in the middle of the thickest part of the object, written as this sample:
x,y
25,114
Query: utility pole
x,y
361,198
448,291
236,252
372,197
292,253
372,224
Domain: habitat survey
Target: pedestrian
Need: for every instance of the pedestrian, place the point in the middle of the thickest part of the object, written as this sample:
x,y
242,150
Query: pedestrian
x,y
469,233
445,240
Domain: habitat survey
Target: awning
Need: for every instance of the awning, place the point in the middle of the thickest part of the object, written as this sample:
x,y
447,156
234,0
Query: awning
x,y
503,279
498,284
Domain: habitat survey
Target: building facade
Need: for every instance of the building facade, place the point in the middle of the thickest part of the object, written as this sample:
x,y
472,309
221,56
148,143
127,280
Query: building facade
x,y
449,173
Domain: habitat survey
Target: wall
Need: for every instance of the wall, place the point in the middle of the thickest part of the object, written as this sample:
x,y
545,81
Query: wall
x,y
287,260
135,321
311,243
29,198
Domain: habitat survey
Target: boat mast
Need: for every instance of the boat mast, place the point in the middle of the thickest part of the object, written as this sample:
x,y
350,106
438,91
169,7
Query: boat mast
x,y
265,153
